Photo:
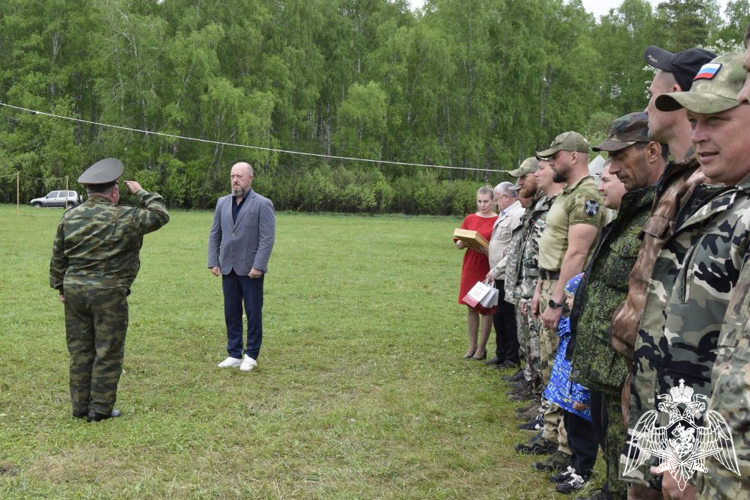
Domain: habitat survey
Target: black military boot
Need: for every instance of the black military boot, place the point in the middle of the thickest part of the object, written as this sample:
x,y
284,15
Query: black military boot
x,y
537,446
98,417
559,461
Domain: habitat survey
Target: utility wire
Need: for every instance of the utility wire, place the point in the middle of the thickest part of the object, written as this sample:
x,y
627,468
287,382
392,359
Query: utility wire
x,y
259,148
39,178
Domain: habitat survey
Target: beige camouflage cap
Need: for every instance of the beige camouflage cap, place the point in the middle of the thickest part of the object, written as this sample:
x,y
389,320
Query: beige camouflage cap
x,y
529,166
567,141
714,90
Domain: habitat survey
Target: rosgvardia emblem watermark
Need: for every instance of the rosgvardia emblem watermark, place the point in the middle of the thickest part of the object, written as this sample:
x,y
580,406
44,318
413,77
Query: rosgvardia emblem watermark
x,y
682,446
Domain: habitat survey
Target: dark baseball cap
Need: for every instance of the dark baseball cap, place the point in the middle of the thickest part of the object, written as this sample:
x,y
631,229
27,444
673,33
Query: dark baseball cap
x,y
683,65
625,131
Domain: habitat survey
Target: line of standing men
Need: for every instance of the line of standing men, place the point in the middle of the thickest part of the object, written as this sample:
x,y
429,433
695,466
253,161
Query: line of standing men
x,y
665,296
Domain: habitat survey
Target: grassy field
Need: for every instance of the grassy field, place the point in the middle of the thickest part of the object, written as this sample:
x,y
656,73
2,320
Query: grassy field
x,y
361,390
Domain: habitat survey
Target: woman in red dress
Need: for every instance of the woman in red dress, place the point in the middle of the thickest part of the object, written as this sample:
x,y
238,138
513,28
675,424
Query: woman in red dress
x,y
475,268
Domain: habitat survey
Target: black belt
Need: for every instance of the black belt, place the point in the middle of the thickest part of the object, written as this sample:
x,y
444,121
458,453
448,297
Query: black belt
x,y
549,275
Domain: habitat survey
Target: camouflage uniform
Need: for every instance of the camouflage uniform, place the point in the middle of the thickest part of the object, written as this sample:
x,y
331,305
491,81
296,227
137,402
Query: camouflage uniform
x,y
595,364
95,259
569,208
688,295
731,396
521,288
572,206
674,187
512,270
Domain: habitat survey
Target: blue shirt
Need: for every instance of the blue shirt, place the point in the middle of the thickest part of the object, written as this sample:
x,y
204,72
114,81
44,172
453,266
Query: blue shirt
x,y
560,389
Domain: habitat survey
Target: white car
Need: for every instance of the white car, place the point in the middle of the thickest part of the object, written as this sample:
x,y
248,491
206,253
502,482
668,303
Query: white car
x,y
58,199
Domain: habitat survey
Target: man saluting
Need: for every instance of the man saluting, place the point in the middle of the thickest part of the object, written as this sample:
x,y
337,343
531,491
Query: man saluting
x,y
95,260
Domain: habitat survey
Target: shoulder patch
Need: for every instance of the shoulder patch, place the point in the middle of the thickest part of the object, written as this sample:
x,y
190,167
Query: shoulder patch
x,y
591,208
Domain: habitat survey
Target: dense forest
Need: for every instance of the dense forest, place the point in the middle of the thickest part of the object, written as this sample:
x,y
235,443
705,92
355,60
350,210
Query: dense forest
x,y
478,84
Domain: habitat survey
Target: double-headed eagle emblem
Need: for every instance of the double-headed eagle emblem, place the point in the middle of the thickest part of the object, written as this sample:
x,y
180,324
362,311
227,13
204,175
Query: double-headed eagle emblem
x,y
682,446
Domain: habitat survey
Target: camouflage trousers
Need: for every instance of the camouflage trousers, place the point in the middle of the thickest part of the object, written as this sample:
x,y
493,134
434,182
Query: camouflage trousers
x,y
96,321
528,335
549,340
638,480
522,331
614,442
554,427
720,482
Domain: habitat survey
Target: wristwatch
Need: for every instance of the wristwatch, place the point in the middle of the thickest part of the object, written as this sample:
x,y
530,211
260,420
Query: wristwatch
x,y
555,305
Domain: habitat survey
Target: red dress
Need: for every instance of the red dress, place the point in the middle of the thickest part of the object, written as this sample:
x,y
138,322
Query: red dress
x,y
476,264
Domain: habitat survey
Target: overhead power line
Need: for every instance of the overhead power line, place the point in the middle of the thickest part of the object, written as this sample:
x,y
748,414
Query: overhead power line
x,y
246,146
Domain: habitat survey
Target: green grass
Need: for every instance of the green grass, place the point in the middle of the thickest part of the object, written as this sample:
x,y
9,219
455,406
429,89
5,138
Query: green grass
x,y
361,391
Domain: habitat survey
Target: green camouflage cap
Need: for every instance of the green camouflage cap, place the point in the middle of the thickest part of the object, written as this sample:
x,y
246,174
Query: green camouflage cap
x,y
714,90
104,171
626,131
567,141
529,166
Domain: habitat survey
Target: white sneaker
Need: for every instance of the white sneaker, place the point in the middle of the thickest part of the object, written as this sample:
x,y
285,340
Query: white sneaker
x,y
230,362
248,364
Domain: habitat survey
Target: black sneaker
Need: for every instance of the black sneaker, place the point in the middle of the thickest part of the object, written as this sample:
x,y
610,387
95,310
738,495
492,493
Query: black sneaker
x,y
563,476
535,424
573,484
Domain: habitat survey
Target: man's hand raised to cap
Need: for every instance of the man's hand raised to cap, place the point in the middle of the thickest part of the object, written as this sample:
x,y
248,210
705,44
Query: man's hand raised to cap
x,y
133,186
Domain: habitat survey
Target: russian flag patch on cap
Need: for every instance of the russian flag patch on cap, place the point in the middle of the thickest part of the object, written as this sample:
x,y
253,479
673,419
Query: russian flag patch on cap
x,y
708,71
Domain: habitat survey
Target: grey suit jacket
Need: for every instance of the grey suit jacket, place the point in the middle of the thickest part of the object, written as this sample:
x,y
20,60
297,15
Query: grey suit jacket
x,y
246,243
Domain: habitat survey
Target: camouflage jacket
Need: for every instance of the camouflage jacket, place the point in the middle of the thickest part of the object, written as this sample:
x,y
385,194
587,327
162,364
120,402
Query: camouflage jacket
x,y
692,282
731,396
595,364
527,274
675,186
98,243
512,263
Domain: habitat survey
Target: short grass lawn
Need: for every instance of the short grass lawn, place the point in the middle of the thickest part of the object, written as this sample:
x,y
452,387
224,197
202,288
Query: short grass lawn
x,y
361,389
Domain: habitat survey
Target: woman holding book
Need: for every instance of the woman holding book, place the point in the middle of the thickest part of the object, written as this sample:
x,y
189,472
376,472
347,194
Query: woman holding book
x,y
475,268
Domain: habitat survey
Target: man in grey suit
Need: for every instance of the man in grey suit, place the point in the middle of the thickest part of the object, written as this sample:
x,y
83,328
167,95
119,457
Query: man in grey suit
x,y
239,246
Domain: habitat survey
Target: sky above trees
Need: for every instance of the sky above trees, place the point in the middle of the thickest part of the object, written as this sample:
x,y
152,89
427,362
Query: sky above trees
x,y
597,7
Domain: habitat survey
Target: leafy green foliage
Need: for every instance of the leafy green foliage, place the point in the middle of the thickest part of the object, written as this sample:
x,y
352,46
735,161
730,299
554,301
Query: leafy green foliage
x,y
467,83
